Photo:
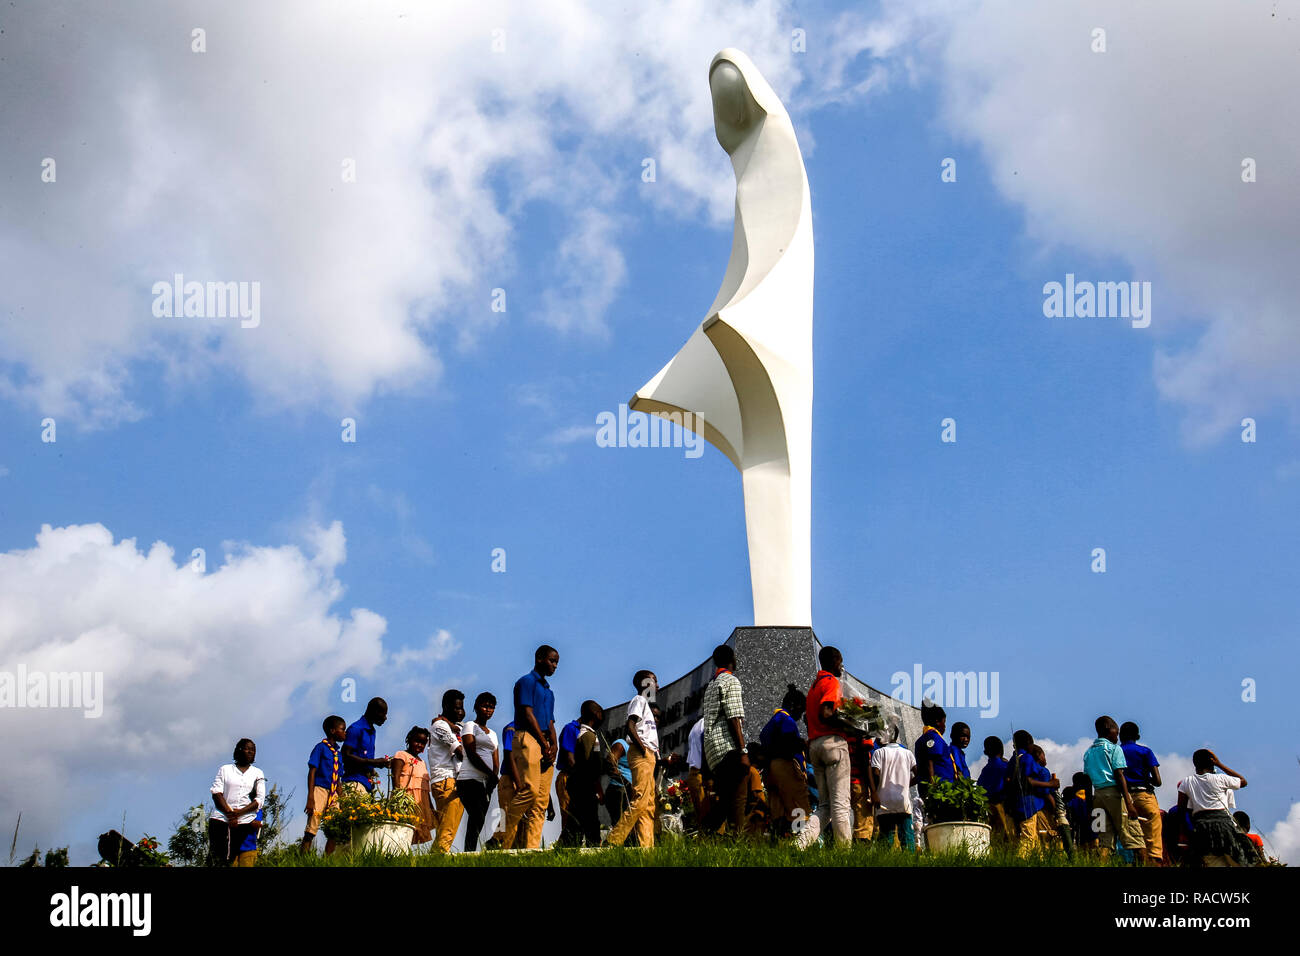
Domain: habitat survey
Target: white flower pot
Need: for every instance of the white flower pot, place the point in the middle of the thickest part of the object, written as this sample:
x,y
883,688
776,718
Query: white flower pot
x,y
951,837
385,837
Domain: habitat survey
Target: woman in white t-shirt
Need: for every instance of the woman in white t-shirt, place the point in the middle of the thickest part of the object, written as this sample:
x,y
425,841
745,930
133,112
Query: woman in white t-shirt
x,y
238,792
1216,838
478,773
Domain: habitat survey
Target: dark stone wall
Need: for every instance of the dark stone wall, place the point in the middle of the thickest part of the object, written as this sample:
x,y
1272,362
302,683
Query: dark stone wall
x,y
767,659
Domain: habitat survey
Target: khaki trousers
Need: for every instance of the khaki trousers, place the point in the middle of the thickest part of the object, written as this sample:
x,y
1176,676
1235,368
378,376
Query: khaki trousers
x,y
527,809
448,812
1117,820
1149,808
787,792
830,760
642,813
505,793
695,784
1026,835
864,822
1004,830
562,795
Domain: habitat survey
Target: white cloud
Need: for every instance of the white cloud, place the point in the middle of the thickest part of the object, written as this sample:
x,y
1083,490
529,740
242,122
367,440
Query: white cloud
x,y
1134,155
1283,841
226,165
440,646
191,661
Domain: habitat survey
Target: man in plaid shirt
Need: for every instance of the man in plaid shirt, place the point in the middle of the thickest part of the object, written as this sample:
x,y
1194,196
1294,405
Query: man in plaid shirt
x,y
723,711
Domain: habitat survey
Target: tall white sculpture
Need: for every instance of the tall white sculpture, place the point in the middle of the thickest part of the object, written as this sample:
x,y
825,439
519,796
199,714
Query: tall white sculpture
x,y
747,370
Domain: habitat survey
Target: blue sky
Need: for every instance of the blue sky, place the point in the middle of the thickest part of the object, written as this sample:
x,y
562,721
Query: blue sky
x,y
476,430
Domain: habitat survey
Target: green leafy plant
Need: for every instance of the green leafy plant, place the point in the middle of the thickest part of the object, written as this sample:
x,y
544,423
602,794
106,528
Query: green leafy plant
x,y
962,800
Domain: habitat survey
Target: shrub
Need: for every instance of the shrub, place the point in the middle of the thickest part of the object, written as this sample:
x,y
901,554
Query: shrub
x,y
962,800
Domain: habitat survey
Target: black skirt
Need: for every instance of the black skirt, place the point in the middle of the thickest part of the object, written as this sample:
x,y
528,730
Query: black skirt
x,y
1215,833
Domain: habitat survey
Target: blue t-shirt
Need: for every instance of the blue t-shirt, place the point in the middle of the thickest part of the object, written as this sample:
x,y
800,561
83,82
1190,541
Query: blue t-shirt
x,y
1029,802
1140,761
992,776
568,736
322,761
1101,760
780,736
533,691
507,735
932,747
624,770
361,741
959,761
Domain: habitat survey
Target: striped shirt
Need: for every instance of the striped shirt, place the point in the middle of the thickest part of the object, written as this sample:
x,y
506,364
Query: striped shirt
x,y
722,701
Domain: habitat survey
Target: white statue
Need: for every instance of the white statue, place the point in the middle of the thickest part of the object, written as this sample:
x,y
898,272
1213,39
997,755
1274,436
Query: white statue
x,y
747,370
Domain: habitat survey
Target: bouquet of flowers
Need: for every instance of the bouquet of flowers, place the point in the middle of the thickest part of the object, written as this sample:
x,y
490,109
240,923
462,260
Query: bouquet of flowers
x,y
354,811
673,799
861,717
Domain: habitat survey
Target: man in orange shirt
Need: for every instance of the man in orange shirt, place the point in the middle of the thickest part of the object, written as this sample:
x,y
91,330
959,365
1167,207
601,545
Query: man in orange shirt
x,y
828,747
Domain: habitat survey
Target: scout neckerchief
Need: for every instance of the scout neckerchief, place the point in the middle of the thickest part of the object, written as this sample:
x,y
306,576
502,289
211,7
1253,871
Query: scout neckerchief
x,y
951,759
334,780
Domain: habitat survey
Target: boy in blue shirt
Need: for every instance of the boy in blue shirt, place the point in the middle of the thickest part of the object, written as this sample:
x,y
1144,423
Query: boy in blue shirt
x,y
1023,790
503,838
957,749
1142,775
324,777
934,759
563,764
991,779
247,852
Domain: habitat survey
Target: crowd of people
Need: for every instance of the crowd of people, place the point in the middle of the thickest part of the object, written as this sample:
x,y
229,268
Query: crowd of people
x,y
835,782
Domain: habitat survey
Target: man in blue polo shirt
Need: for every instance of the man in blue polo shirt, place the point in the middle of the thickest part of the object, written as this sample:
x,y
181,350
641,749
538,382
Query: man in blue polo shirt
x,y
534,748
1143,776
359,747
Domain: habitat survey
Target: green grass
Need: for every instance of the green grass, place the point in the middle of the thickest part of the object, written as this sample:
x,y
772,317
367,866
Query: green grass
x,y
690,853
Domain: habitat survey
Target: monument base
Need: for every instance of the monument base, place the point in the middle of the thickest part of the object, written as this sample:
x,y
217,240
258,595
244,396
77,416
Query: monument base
x,y
767,660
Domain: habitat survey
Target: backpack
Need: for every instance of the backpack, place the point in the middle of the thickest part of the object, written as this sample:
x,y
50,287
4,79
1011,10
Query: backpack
x,y
1015,787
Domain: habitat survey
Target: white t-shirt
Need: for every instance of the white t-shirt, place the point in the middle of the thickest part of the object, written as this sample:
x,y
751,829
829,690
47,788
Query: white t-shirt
x,y
237,787
485,745
695,745
444,741
1209,791
895,763
646,728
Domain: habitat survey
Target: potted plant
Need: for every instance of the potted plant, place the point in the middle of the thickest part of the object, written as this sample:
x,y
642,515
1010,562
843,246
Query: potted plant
x,y
957,812
374,820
